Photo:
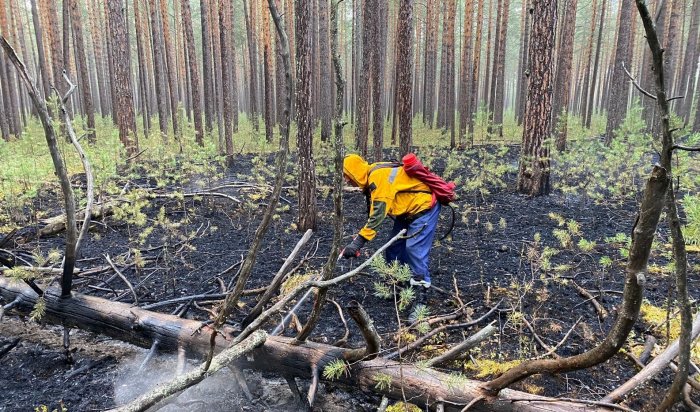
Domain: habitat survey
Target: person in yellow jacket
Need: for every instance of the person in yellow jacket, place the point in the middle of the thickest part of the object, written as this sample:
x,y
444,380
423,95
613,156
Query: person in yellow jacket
x,y
410,203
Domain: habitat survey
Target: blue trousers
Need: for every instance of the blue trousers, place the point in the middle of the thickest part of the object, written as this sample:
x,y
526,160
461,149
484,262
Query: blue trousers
x,y
415,250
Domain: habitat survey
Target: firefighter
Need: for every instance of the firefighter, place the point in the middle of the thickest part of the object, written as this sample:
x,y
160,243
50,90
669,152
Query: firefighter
x,y
412,206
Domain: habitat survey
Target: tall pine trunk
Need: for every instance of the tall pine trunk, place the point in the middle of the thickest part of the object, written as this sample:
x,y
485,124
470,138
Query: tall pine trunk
x,y
466,87
591,92
159,70
307,175
326,87
83,79
562,85
123,98
207,67
224,31
617,99
499,70
404,71
193,70
474,96
533,176
143,68
170,66
253,67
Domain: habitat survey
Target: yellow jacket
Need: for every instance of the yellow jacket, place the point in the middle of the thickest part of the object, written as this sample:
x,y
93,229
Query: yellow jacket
x,y
392,192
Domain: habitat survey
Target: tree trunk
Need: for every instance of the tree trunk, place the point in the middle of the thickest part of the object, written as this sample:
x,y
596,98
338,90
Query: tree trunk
x,y
523,68
279,355
193,70
474,96
588,55
267,75
591,92
170,66
364,91
207,66
533,177
449,45
690,63
466,87
83,79
251,32
224,36
432,19
493,72
378,63
307,174
562,85
619,94
326,86
672,43
159,70
143,68
9,84
43,66
499,69
404,71
124,107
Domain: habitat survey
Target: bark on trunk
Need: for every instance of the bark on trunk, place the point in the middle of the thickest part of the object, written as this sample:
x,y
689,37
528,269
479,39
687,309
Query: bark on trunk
x,y
563,76
404,43
194,71
83,79
307,174
533,177
124,107
617,99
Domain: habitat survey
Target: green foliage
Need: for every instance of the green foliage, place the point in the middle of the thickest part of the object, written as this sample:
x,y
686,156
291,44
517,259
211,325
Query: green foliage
x,y
691,231
335,369
589,168
406,296
383,382
39,309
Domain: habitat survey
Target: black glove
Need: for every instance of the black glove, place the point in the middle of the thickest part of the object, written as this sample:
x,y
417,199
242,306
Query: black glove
x,y
353,249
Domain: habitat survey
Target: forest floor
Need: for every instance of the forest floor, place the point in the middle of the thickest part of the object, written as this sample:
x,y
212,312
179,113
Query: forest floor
x,y
525,253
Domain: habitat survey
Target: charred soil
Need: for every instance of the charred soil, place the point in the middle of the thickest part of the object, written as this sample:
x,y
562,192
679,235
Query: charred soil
x,y
526,253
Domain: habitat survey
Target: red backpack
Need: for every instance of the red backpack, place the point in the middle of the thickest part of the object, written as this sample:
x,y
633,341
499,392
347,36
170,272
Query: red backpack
x,y
443,192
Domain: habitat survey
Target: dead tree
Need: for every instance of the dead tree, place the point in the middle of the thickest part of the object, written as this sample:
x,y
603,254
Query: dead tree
x,y
59,165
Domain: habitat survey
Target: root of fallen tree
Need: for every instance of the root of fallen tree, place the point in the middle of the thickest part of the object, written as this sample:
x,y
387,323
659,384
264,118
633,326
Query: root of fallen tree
x,y
278,354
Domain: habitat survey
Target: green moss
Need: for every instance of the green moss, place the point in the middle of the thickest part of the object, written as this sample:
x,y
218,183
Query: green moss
x,y
489,367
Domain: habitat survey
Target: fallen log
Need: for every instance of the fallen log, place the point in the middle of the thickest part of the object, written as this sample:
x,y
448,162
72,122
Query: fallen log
x,y
279,354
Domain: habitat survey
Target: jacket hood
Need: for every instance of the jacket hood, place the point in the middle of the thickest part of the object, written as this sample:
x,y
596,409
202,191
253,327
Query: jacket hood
x,y
357,169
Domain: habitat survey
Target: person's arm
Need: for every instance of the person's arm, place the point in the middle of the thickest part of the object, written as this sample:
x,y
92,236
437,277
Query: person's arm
x,y
377,213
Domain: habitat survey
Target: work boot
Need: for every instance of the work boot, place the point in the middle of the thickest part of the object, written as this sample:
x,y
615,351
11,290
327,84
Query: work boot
x,y
419,303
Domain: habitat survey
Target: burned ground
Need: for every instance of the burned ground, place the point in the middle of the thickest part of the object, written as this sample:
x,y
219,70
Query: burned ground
x,y
523,252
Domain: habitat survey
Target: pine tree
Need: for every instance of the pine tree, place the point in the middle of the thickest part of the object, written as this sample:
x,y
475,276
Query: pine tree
x,y
533,176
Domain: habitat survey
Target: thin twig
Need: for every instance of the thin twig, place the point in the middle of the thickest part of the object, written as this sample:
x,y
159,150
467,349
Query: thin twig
x,y
561,342
121,275
685,148
637,85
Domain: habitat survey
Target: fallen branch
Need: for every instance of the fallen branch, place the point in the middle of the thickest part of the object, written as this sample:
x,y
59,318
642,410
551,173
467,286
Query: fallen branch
x,y
418,342
121,275
561,342
278,354
652,369
195,194
602,312
468,344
